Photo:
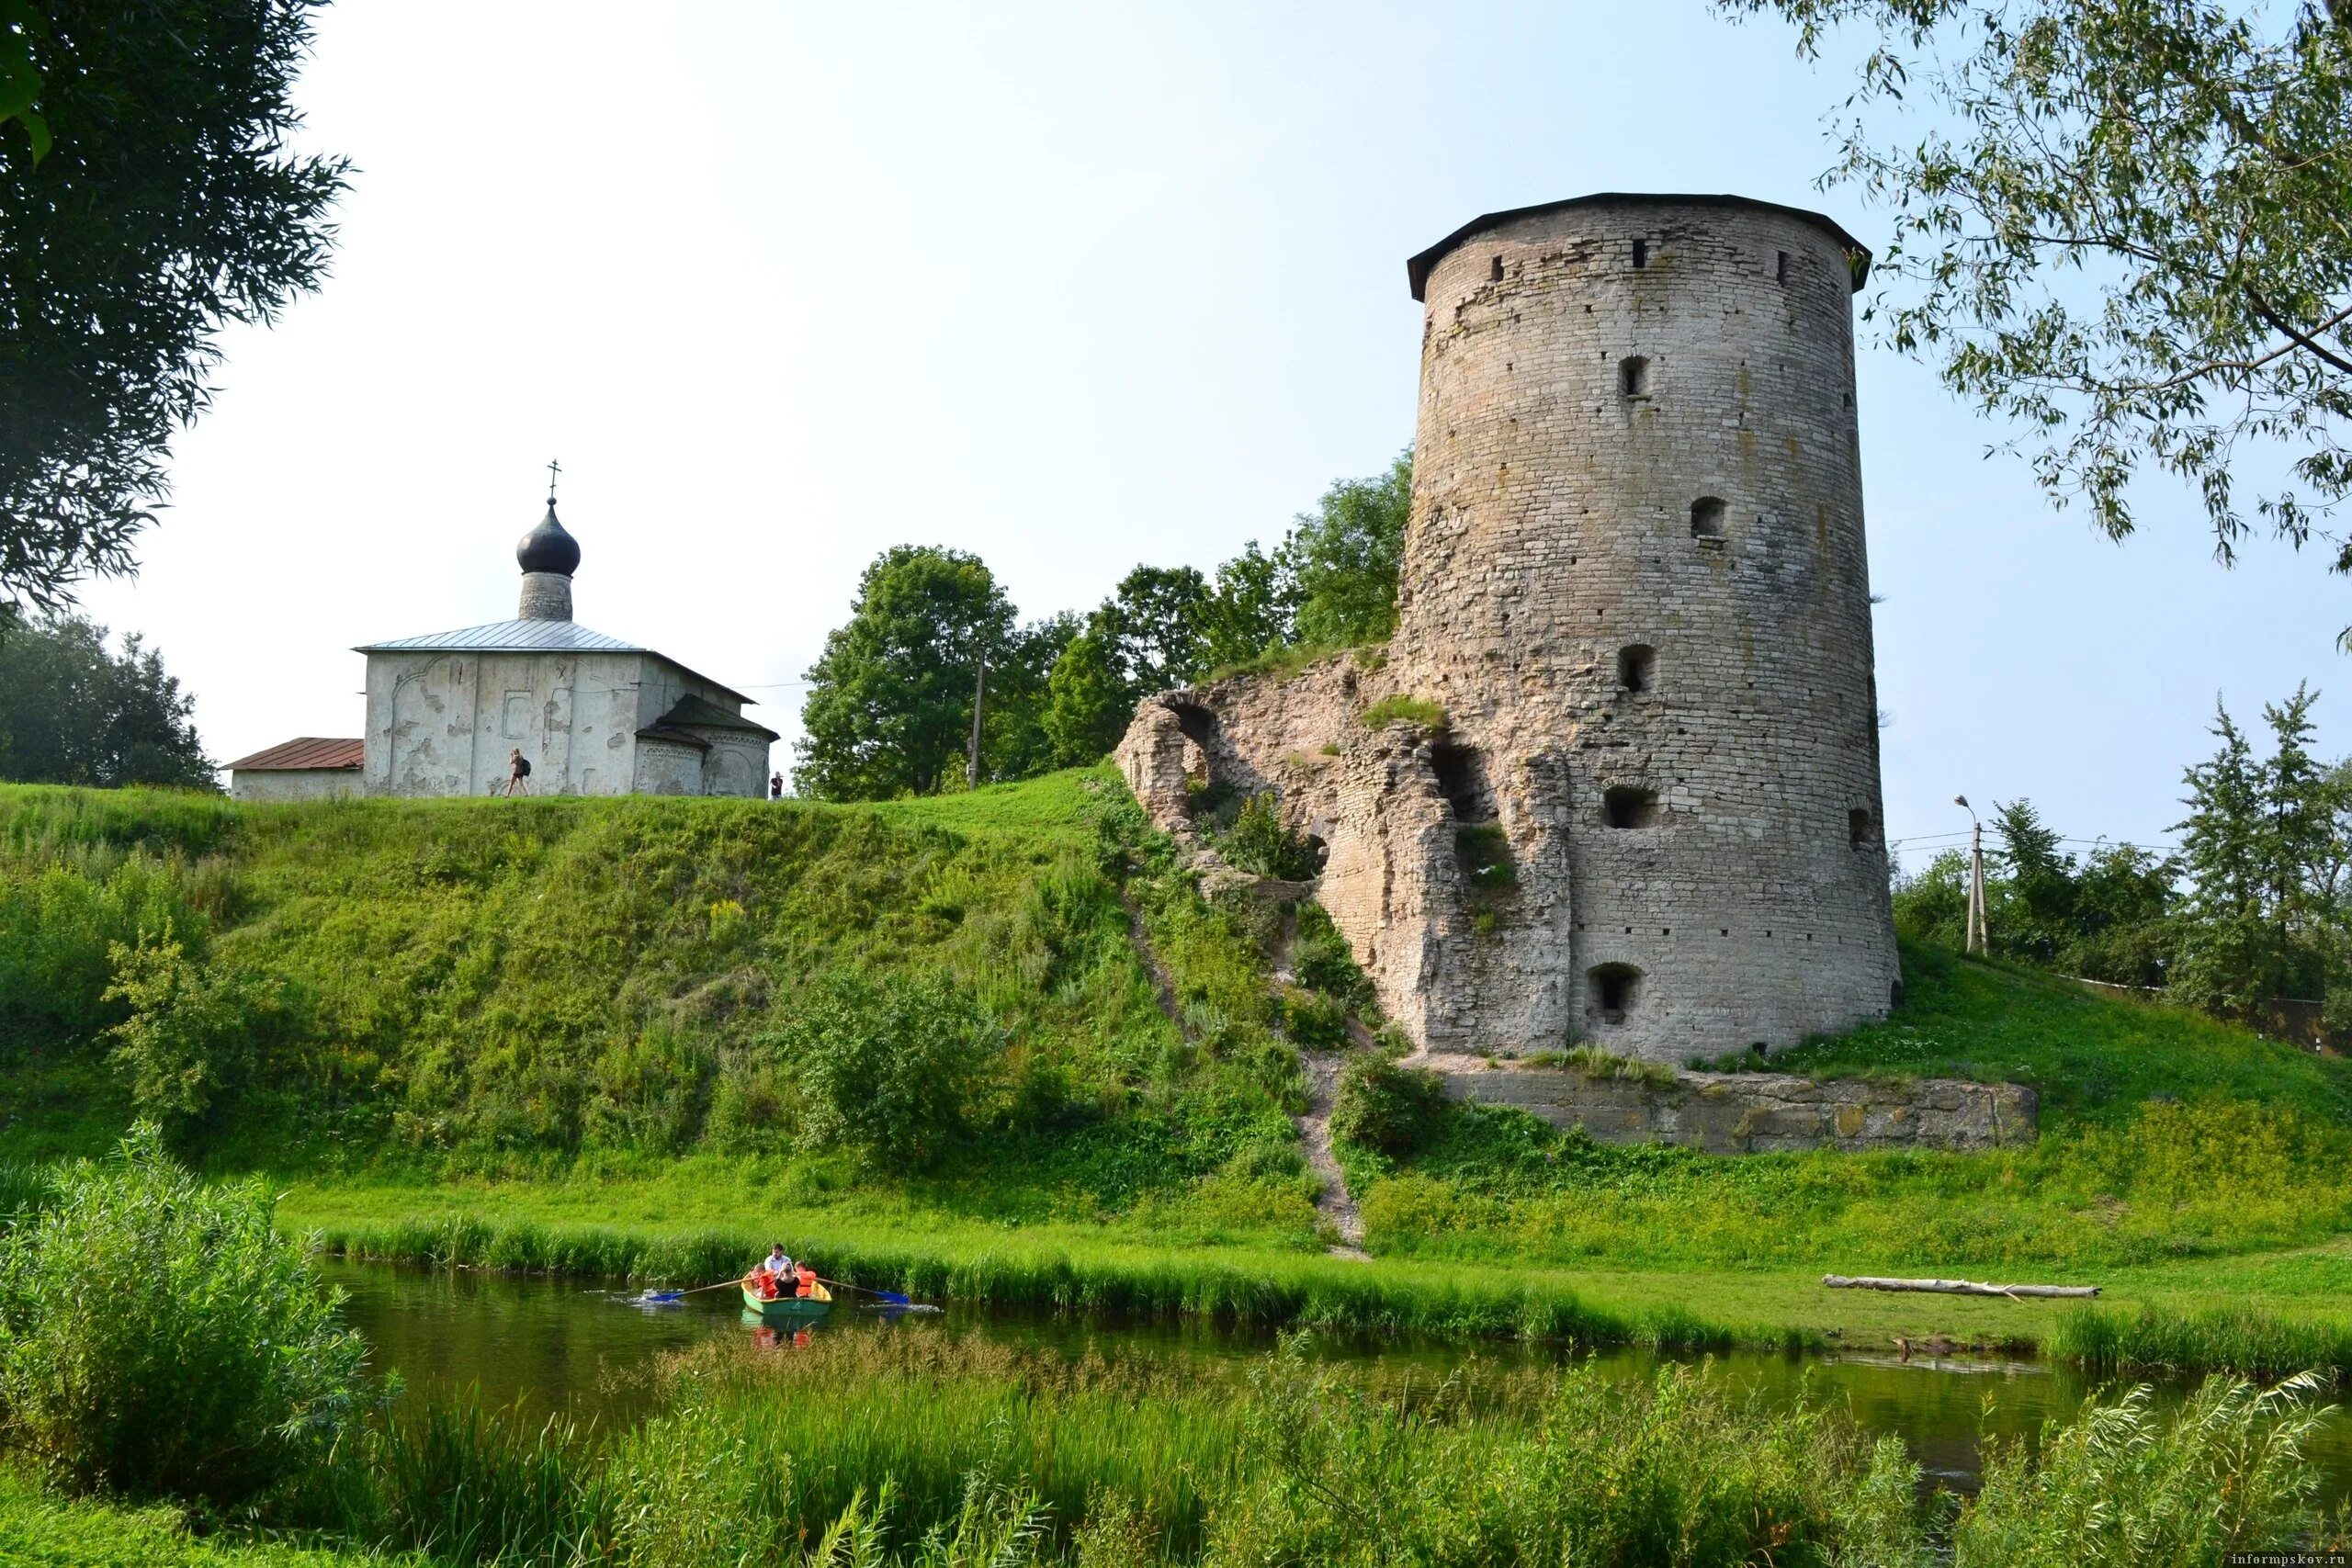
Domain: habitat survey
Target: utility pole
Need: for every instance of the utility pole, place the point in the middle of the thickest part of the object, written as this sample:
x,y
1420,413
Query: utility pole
x,y
1976,934
980,696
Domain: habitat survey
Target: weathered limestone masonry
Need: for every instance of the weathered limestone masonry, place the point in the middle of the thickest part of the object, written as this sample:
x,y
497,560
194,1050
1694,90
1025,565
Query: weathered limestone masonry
x,y
1727,1113
1634,579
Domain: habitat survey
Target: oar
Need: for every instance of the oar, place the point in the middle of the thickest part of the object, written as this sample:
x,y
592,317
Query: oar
x,y
680,1295
893,1297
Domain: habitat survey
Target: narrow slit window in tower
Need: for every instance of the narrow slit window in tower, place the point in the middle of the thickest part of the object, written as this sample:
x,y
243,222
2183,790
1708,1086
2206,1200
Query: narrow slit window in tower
x,y
1636,666
1641,253
1707,517
1495,270
1860,831
1634,377
1627,805
1780,266
1613,989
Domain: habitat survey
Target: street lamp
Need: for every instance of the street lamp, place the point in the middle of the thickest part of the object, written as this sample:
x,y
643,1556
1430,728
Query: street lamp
x,y
1976,943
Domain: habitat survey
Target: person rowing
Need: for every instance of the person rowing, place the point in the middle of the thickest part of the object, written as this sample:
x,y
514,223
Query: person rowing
x,y
774,1275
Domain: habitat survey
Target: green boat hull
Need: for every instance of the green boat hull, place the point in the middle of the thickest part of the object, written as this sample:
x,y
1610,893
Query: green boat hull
x,y
787,1312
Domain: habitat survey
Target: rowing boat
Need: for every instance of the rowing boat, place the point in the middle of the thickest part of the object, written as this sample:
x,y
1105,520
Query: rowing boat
x,y
786,1311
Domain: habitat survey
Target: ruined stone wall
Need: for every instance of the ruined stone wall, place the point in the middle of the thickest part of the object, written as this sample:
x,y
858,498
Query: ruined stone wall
x,y
1727,1113
1635,582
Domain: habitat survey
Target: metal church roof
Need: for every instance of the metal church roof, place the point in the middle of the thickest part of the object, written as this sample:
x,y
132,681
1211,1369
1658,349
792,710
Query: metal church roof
x,y
532,636
509,636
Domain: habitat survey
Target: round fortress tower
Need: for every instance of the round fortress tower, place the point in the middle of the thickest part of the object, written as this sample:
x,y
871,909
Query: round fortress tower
x,y
1636,578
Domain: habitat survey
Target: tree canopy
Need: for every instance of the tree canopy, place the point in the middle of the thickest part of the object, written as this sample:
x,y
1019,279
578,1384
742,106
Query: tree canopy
x,y
889,712
2255,908
148,196
1346,555
71,713
2123,226
889,707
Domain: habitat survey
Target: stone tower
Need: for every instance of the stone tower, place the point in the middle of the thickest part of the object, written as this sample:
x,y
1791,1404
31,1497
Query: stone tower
x,y
1634,580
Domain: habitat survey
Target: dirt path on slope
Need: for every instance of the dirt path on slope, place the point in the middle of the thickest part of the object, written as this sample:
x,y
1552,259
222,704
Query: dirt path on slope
x,y
1335,1202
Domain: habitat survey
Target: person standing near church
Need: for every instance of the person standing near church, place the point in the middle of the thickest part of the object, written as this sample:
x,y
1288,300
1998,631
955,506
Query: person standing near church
x,y
518,770
775,786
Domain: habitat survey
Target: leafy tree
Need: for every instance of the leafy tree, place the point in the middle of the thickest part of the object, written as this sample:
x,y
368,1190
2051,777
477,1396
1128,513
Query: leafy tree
x,y
889,707
1014,742
1252,608
2123,909
70,713
891,1068
147,197
1931,904
2038,912
2258,922
1087,706
2124,229
225,1372
1155,629
1346,554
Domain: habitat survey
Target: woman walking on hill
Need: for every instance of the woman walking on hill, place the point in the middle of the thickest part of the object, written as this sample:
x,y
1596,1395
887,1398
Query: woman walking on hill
x,y
518,770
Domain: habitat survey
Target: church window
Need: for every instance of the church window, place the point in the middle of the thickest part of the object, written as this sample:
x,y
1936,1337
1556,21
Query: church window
x,y
517,715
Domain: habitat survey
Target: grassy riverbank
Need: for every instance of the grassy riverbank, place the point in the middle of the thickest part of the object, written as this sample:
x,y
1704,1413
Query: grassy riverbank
x,y
693,1225
592,1035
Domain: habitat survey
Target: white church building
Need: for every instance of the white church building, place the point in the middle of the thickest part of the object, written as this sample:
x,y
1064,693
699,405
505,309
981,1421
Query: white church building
x,y
591,714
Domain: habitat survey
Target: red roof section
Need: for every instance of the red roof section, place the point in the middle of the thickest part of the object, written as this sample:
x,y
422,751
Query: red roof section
x,y
308,751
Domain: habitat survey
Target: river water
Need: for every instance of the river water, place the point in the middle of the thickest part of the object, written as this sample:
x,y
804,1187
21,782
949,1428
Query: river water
x,y
556,1344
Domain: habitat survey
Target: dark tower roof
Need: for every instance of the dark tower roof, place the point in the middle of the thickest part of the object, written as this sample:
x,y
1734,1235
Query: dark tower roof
x,y
548,547
1858,255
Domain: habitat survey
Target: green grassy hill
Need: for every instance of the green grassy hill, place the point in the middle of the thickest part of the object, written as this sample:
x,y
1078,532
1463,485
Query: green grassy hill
x,y
564,1031
445,987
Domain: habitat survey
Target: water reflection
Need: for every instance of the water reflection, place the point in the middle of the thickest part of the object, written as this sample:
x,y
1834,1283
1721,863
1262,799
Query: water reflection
x,y
555,1345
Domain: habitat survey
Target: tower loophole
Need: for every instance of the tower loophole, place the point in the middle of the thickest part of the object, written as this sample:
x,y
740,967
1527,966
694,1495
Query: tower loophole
x,y
1629,805
1641,253
1634,377
1861,830
1495,270
1614,987
1636,667
1707,517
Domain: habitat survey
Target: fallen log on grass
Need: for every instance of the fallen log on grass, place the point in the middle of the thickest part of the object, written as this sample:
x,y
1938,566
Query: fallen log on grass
x,y
1952,1287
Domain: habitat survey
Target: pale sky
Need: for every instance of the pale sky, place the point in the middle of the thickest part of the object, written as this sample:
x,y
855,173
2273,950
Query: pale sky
x,y
1072,287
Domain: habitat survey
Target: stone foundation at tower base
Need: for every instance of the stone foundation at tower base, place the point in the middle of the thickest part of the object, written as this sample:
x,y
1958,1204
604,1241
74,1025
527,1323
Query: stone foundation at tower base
x,y
1736,1114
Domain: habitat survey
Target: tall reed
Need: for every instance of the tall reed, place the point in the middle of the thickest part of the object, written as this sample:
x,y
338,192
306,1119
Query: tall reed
x,y
1276,1291
2243,1339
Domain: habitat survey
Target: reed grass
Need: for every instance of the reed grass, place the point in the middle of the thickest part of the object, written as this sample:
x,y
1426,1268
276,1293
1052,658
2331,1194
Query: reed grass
x,y
1271,1290
2243,1340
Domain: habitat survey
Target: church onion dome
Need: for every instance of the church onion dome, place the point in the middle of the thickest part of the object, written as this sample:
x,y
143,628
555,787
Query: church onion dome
x,y
548,547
